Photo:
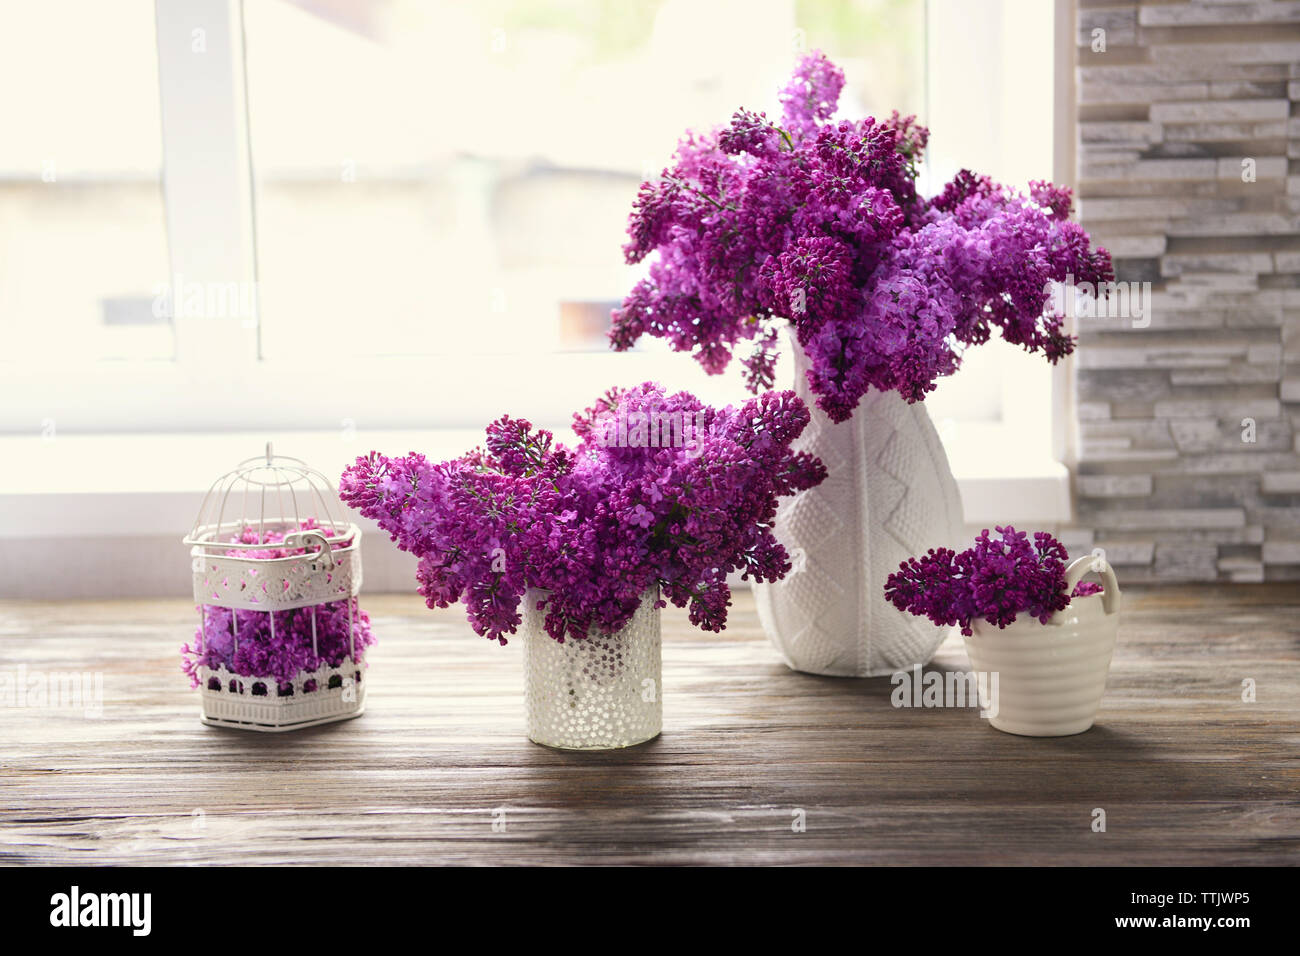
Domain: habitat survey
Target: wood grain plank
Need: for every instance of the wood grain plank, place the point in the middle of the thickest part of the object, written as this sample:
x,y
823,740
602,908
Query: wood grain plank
x,y
1187,772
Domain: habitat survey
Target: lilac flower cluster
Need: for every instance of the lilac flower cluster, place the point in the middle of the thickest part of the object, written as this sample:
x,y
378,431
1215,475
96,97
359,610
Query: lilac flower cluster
x,y
819,223
255,650
598,525
252,648
994,581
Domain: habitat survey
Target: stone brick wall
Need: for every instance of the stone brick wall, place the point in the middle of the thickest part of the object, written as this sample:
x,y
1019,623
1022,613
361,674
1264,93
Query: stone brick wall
x,y
1189,427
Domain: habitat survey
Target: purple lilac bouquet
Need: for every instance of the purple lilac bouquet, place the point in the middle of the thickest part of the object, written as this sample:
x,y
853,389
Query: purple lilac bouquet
x,y
996,580
661,490
819,223
254,649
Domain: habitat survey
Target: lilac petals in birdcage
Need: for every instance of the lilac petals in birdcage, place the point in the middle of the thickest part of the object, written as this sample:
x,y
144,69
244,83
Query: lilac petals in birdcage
x,y
281,638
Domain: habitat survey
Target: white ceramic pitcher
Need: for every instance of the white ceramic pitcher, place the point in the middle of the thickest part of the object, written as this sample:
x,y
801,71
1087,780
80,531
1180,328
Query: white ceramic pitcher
x,y
1051,677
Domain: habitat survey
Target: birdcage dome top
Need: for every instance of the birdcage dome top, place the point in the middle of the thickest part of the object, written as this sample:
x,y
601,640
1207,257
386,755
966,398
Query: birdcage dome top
x,y
264,500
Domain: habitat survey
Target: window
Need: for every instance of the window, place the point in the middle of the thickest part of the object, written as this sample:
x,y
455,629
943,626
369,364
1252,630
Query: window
x,y
999,122
473,203
83,248
408,214
494,178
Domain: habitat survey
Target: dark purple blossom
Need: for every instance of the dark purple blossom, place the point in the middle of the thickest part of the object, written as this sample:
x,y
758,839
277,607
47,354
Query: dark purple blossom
x,y
994,581
819,224
660,491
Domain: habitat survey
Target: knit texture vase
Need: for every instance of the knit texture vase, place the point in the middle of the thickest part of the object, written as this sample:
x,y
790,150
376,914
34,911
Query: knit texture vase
x,y
888,495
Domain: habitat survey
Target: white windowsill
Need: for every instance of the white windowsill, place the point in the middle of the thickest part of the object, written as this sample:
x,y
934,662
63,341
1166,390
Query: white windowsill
x,y
1004,482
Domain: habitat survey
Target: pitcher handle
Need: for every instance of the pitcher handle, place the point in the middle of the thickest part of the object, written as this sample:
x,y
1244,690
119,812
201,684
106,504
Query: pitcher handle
x,y
1085,564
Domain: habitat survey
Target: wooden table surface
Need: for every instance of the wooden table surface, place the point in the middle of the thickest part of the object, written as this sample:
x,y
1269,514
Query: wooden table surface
x,y
1186,772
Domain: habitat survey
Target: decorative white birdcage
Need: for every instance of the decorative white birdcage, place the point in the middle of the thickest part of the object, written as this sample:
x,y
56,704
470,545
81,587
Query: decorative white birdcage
x,y
276,578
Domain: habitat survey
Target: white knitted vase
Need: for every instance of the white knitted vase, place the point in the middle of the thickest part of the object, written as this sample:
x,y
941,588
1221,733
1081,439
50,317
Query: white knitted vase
x,y
888,495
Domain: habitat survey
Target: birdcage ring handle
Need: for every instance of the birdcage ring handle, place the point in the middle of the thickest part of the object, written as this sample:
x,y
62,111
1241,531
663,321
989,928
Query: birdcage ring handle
x,y
324,557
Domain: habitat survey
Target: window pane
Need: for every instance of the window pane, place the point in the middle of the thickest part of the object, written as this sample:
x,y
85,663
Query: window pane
x,y
83,250
880,45
997,53
453,178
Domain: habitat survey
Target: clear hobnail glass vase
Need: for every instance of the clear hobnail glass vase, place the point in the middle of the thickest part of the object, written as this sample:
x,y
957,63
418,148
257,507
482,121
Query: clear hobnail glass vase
x,y
599,693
